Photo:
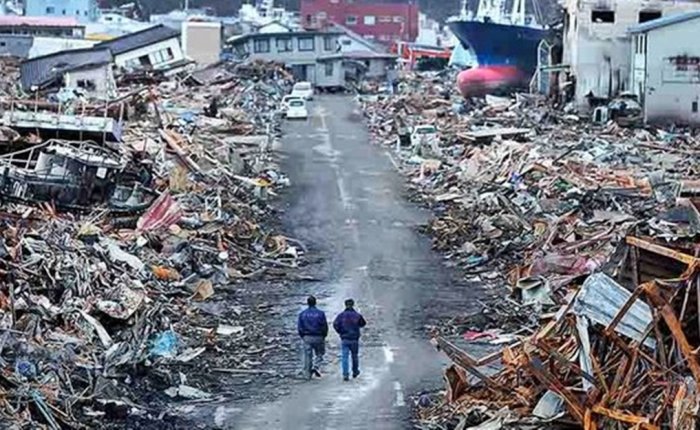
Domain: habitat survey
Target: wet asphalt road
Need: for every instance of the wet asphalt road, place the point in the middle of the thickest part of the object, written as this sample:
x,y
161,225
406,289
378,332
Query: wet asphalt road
x,y
348,206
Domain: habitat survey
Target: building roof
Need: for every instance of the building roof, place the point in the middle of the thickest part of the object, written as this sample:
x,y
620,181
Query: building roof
x,y
38,21
664,22
42,70
139,39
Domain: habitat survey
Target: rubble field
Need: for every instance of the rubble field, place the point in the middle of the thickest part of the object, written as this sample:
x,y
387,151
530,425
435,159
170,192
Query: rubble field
x,y
136,233
589,231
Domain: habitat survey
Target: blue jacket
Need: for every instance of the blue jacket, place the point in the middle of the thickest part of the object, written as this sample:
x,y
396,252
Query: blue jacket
x,y
312,322
348,324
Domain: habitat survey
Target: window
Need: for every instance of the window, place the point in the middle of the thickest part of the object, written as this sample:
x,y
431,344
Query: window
x,y
306,44
384,19
77,12
694,107
3,43
284,44
346,42
384,37
328,44
329,68
322,15
398,19
64,11
335,1
169,53
350,20
261,46
87,84
649,15
369,20
369,36
603,16
144,60
50,10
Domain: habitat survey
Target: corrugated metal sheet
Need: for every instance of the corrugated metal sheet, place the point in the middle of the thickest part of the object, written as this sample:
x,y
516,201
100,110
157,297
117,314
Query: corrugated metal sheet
x,y
139,39
39,70
600,299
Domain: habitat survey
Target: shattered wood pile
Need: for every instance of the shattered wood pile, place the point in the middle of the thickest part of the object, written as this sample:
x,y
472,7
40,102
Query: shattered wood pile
x,y
593,228
610,356
115,295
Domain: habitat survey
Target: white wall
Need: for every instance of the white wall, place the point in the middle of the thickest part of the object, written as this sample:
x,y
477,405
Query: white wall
x,y
201,41
599,53
50,45
102,76
150,50
670,90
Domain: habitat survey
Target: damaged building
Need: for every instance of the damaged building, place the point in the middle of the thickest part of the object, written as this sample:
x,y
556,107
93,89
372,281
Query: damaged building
x,y
597,43
666,68
88,69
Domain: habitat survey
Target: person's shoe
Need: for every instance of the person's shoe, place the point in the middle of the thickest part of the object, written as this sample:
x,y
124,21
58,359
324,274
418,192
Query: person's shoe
x,y
316,373
346,378
355,375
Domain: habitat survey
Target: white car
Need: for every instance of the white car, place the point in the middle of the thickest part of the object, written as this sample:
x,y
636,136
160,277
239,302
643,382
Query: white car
x,y
303,90
297,109
284,106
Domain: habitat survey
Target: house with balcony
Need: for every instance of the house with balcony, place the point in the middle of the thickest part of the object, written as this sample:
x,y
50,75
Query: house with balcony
x,y
311,55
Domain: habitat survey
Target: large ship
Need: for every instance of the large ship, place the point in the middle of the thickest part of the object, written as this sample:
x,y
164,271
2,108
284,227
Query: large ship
x,y
495,36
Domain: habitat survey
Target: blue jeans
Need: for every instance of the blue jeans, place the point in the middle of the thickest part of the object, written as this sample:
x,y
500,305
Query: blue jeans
x,y
313,346
350,347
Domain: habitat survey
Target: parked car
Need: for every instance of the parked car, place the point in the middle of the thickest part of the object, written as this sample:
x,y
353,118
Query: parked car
x,y
297,109
304,90
284,106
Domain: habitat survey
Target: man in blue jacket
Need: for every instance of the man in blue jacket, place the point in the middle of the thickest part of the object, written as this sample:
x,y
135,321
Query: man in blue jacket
x,y
348,324
313,329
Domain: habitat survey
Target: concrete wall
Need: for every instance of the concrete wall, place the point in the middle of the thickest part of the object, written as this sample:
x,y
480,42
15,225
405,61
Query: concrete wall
x,y
673,74
84,10
101,76
124,60
15,45
201,41
599,52
336,78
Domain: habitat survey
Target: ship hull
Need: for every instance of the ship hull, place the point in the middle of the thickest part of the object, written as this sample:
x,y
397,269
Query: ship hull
x,y
500,44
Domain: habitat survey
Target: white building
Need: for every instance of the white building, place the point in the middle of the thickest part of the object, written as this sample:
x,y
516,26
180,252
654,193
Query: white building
x,y
156,48
665,55
597,43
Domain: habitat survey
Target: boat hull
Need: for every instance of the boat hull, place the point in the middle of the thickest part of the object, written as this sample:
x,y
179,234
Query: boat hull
x,y
500,44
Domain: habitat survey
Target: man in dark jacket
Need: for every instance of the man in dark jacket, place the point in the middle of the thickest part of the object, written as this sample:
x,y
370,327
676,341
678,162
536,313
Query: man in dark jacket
x,y
313,329
348,324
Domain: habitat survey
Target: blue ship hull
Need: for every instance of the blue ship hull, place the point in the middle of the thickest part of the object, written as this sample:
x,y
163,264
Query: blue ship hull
x,y
500,44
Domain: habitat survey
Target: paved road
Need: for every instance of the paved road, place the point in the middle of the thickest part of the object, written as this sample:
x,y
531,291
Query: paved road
x,y
348,205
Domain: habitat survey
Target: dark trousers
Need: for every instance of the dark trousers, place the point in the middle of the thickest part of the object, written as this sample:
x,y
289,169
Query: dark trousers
x,y
350,348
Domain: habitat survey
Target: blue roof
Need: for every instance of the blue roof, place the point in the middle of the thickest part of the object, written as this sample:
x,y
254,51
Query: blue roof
x,y
663,22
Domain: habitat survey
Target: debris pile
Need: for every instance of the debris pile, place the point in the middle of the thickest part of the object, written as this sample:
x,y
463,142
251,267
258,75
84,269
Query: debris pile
x,y
594,226
116,240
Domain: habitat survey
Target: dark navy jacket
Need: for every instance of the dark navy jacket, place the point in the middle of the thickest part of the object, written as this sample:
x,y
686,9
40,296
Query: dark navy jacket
x,y
348,324
312,322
